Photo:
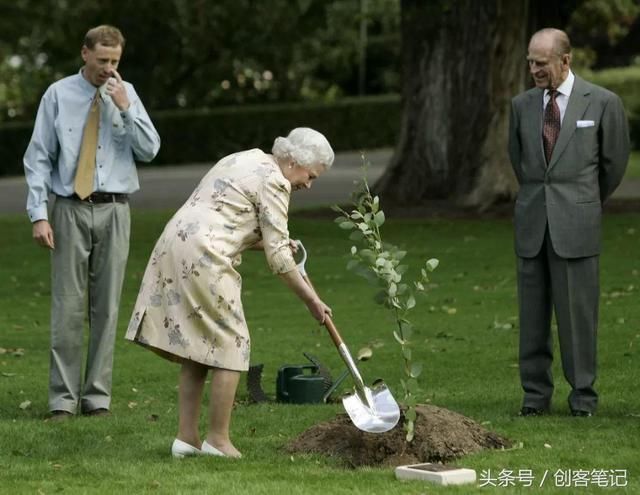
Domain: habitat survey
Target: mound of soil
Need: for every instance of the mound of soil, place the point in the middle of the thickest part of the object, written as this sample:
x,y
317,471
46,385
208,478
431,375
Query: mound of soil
x,y
440,436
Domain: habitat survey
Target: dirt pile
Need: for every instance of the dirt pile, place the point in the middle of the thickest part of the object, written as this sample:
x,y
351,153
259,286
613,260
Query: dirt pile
x,y
440,436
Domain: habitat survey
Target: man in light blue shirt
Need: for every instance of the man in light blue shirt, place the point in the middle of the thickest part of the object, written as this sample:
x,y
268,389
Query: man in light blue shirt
x,y
92,122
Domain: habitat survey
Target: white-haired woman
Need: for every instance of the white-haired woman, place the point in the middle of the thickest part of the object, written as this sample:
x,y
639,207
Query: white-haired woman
x,y
189,308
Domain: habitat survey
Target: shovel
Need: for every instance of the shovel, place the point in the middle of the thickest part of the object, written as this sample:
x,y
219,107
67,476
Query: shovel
x,y
374,409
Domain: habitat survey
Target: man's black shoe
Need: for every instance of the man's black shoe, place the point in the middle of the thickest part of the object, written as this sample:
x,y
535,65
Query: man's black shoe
x,y
581,414
531,411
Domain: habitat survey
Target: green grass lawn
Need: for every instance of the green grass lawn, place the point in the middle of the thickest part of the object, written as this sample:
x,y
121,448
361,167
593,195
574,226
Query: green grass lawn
x,y
467,341
633,169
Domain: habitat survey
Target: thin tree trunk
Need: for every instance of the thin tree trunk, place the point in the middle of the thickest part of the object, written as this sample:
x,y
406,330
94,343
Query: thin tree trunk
x,y
462,63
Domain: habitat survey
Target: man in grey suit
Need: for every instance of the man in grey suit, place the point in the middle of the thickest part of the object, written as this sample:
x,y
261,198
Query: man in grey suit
x,y
569,146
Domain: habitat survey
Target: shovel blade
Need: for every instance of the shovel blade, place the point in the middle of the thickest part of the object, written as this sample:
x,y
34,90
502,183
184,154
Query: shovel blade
x,y
383,414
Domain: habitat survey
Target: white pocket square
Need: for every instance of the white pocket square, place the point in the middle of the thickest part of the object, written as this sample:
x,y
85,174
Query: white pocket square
x,y
585,123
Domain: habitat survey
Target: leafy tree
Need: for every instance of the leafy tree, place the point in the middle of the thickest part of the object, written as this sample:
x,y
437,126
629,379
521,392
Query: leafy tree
x,y
195,53
597,25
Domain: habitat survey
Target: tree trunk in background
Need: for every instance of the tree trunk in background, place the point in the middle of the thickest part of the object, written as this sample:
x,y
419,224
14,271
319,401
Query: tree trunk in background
x,y
462,63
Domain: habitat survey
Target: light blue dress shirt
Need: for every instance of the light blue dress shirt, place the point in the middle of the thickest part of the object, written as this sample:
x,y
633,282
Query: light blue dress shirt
x,y
52,155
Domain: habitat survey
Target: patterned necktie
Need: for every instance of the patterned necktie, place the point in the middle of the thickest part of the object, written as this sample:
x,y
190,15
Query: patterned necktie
x,y
83,185
551,126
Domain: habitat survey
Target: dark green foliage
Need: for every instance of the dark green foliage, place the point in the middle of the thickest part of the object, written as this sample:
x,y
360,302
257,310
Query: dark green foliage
x,y
204,135
205,53
351,123
625,83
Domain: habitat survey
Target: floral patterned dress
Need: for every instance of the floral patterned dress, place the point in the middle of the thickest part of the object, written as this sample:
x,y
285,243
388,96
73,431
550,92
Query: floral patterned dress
x,y
189,304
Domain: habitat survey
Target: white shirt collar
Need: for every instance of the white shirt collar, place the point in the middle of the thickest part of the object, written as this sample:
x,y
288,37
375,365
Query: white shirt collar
x,y
566,86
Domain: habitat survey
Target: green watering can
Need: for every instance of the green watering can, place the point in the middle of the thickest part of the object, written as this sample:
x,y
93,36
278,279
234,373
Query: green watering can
x,y
300,384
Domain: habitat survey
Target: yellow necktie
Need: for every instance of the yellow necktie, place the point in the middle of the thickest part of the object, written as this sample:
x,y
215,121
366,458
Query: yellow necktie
x,y
83,185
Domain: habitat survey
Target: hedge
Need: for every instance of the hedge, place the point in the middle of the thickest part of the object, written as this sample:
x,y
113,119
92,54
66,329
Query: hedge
x,y
203,135
625,82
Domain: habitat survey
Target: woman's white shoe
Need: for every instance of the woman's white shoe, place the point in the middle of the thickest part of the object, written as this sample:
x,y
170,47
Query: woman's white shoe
x,y
180,449
208,449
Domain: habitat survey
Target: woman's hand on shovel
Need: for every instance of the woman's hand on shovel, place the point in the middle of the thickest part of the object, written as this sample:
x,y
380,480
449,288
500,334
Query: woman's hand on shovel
x,y
319,310
305,291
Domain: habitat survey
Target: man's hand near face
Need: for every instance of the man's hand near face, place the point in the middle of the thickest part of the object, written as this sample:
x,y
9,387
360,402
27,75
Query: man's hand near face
x,y
117,91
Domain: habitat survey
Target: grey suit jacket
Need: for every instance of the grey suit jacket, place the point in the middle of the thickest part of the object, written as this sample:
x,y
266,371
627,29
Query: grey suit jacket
x,y
587,164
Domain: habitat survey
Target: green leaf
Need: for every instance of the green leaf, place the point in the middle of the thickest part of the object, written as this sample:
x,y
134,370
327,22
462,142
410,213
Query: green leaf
x,y
419,286
402,288
412,385
354,250
352,264
364,354
410,432
411,302
367,253
410,400
336,208
346,225
410,414
416,369
393,289
406,352
378,218
398,338
356,235
370,276
432,264
399,255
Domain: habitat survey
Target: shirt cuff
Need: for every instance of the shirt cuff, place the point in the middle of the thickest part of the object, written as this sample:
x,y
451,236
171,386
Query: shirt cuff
x,y
38,213
282,261
128,116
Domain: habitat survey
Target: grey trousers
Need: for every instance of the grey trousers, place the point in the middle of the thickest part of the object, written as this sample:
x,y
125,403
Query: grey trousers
x,y
87,270
571,287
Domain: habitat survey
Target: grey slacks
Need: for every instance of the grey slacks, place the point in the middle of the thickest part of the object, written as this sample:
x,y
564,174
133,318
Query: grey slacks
x,y
570,287
87,271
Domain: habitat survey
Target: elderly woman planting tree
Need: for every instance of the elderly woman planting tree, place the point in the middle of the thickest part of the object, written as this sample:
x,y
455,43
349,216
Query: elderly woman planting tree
x,y
189,308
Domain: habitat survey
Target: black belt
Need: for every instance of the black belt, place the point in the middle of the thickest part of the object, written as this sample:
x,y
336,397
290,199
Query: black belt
x,y
102,197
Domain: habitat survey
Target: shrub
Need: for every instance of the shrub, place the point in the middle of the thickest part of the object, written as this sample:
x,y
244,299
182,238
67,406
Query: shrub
x,y
623,81
205,135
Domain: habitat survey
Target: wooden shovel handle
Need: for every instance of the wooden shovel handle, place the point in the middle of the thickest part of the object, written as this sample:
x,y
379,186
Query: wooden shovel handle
x,y
333,331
